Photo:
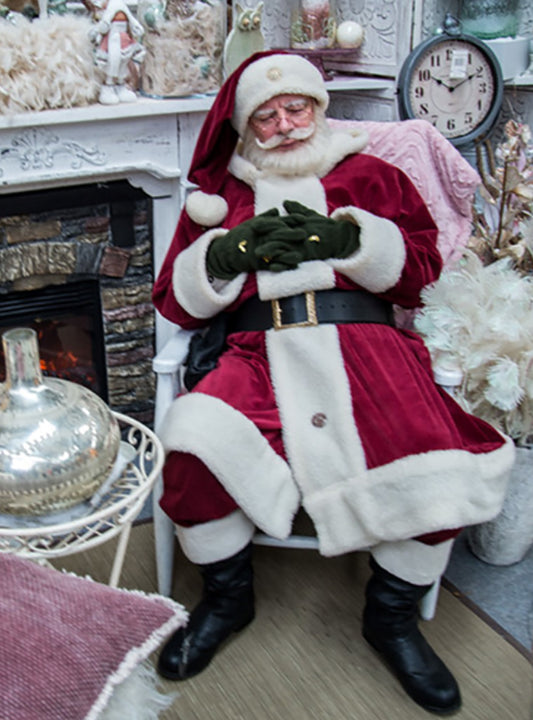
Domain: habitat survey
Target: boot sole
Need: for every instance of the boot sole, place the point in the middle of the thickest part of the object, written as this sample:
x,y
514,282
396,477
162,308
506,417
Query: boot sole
x,y
430,708
177,676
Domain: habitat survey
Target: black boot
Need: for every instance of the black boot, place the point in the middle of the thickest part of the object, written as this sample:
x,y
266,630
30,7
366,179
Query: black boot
x,y
227,606
390,626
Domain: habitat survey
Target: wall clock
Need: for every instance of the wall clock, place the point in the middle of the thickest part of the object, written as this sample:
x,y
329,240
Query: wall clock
x,y
454,81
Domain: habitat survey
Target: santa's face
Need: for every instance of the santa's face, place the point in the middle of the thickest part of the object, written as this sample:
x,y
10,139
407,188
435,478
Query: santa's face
x,y
283,122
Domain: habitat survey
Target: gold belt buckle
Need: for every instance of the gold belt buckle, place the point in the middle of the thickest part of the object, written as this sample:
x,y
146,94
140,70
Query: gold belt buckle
x,y
310,307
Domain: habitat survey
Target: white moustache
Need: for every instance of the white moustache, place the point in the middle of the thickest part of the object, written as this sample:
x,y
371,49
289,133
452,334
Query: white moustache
x,y
294,134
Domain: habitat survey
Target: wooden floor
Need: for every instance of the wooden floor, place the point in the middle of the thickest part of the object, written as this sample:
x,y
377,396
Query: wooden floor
x,y
304,658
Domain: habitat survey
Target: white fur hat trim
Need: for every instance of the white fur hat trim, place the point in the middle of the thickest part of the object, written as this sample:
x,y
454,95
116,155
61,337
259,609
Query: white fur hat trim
x,y
275,75
206,210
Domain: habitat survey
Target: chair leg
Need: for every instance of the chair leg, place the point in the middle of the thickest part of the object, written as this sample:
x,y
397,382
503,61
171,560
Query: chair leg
x,y
164,544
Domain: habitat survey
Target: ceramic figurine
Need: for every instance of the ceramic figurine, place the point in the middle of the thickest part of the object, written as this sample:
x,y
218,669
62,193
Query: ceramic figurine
x,y
245,38
116,36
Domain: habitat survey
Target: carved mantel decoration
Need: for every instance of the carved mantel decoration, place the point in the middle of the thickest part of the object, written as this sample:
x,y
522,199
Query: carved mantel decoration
x,y
37,149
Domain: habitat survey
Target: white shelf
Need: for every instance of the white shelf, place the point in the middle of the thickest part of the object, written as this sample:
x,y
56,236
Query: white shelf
x,y
353,84
525,80
146,106
143,107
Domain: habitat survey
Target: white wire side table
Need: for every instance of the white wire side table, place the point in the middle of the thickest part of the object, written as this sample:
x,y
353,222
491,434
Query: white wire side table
x,y
110,512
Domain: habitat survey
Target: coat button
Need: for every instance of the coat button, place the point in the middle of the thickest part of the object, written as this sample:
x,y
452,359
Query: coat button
x,y
318,420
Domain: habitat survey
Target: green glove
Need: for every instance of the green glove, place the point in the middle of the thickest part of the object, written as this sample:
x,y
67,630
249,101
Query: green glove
x,y
281,249
233,253
262,243
325,238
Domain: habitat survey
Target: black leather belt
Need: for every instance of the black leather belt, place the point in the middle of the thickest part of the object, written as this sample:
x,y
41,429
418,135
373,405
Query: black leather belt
x,y
311,308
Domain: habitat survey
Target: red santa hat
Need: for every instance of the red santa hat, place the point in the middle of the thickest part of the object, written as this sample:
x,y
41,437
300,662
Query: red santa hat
x,y
259,78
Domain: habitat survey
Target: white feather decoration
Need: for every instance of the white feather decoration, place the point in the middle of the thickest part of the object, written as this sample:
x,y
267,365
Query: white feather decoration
x,y
480,318
503,387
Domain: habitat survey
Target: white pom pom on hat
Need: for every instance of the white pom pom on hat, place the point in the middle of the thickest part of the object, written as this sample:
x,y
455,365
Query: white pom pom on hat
x,y
275,75
205,209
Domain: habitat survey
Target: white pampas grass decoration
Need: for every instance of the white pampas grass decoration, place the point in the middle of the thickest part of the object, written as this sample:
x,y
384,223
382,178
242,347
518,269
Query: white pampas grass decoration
x,y
480,319
46,64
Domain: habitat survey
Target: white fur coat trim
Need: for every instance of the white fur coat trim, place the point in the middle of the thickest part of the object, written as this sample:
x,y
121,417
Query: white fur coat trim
x,y
315,405
234,450
273,191
350,510
312,275
362,511
192,286
379,238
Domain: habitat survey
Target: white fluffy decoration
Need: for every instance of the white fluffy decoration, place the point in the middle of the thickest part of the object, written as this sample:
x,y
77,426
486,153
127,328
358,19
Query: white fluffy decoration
x,y
138,698
46,64
480,318
184,54
207,210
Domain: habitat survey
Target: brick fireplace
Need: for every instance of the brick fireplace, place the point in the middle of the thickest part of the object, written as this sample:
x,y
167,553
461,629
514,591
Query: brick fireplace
x,y
58,246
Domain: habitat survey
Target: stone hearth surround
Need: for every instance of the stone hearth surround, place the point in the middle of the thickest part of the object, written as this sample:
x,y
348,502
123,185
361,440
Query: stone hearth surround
x,y
66,245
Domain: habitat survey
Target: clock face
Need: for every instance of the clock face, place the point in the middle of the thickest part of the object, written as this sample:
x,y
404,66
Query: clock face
x,y
453,84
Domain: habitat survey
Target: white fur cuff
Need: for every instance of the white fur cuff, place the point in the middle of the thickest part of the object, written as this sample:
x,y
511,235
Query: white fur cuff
x,y
190,281
413,561
378,264
215,540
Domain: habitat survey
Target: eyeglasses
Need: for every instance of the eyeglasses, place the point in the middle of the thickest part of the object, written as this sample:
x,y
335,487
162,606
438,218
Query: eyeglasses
x,y
296,110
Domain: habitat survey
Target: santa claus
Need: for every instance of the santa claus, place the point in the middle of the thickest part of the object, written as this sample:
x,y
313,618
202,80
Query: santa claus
x,y
304,242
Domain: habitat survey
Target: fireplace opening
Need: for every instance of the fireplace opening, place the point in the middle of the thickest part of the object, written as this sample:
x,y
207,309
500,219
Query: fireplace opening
x,y
67,319
76,263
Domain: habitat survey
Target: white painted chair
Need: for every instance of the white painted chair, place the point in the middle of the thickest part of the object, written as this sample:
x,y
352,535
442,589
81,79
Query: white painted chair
x,y
447,183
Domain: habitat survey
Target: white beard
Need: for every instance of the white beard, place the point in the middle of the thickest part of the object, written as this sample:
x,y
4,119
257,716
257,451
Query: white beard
x,y
306,158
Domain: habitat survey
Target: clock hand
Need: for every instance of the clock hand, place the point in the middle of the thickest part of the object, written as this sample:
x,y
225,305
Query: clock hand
x,y
466,79
441,82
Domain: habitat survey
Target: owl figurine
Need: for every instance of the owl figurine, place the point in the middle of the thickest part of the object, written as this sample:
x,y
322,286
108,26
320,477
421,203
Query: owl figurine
x,y
245,38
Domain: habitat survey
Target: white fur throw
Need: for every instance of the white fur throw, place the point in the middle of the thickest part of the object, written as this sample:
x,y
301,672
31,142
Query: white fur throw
x,y
46,64
184,56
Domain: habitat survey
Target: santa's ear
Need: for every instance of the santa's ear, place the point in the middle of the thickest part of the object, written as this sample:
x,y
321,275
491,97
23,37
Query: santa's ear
x,y
206,210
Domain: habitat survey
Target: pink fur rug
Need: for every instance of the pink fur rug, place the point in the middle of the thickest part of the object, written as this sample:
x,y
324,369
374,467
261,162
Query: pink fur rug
x,y
67,642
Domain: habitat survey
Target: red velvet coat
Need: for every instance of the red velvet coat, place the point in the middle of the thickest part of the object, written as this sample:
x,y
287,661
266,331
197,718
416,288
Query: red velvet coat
x,y
345,419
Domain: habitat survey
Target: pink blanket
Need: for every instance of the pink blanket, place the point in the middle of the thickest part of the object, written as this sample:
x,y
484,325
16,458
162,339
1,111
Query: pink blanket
x,y
446,181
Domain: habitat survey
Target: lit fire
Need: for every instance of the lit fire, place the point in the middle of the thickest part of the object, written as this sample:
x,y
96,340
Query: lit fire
x,y
57,362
